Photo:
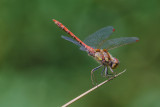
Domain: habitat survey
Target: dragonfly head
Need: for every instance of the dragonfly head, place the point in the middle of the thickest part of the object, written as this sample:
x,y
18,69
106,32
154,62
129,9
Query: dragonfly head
x,y
114,63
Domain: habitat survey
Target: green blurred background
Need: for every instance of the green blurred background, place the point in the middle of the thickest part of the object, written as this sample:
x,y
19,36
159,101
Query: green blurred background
x,y
39,69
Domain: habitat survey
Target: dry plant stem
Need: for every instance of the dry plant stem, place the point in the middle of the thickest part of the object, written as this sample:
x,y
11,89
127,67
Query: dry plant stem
x,y
90,90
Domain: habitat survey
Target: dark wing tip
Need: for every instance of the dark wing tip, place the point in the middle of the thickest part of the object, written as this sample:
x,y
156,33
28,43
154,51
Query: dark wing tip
x,y
137,39
113,30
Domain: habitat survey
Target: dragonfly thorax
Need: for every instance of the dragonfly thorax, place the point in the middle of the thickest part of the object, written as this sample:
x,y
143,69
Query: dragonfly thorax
x,y
105,58
102,56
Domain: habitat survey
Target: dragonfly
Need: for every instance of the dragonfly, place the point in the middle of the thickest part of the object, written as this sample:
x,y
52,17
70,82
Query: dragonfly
x,y
97,46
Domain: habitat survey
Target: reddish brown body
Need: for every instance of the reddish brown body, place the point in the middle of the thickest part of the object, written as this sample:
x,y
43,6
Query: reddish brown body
x,y
90,49
101,55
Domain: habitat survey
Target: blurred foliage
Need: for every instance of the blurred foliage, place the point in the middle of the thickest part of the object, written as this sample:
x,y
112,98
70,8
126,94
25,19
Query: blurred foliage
x,y
39,69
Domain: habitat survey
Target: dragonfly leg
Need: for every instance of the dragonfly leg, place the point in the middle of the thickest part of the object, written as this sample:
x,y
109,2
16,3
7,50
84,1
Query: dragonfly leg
x,y
103,71
92,73
106,71
111,70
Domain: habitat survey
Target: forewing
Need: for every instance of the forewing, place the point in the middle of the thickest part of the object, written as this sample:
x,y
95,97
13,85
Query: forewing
x,y
96,39
114,43
73,41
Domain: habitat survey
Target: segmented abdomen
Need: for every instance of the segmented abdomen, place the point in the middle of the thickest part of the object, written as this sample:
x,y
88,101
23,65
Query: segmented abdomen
x,y
90,49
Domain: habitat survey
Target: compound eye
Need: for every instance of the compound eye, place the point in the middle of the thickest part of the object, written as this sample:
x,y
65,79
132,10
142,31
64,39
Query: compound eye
x,y
116,60
114,63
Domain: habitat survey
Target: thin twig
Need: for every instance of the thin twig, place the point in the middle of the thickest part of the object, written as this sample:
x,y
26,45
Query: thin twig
x,y
90,90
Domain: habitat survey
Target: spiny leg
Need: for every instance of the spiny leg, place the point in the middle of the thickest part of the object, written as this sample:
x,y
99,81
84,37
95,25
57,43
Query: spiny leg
x,y
106,71
92,75
111,70
103,71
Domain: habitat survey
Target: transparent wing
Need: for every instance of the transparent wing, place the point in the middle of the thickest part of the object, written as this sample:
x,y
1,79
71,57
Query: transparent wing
x,y
73,41
96,39
114,43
